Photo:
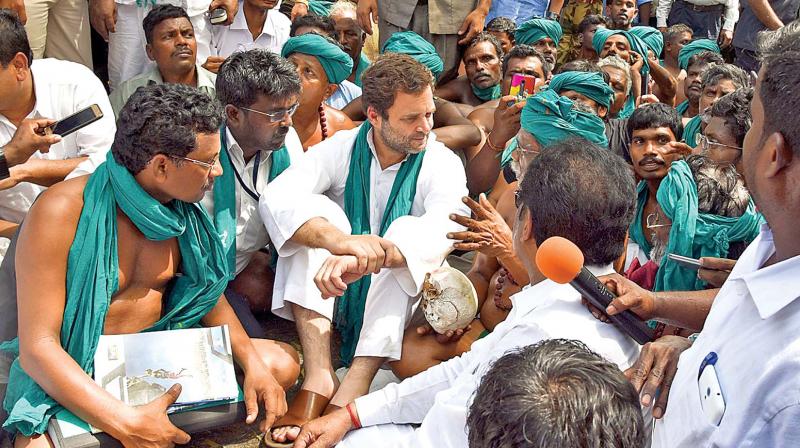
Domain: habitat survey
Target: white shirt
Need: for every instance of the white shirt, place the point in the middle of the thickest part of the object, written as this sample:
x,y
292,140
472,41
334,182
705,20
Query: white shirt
x,y
731,11
62,88
251,235
754,328
344,94
314,187
226,40
439,398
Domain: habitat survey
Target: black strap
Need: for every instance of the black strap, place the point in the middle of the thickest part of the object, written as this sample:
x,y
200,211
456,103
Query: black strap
x,y
256,166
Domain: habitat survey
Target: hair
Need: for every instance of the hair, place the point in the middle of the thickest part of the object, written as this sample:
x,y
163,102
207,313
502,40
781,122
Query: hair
x,y
502,25
245,75
485,37
163,119
555,393
734,108
591,20
523,51
705,57
390,74
718,72
312,20
342,6
582,65
617,62
158,14
13,37
780,56
586,194
675,31
658,115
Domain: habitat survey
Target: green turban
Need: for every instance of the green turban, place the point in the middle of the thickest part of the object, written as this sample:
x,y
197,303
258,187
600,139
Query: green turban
x,y
651,37
537,29
637,45
550,118
694,47
321,8
337,64
412,44
589,84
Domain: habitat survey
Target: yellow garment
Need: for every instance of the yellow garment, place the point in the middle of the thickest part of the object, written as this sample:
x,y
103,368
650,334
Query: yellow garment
x,y
569,47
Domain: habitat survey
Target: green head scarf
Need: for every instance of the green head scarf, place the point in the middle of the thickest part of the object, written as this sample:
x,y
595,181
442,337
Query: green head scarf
x,y
637,45
93,278
412,44
693,234
537,29
321,8
694,47
551,118
651,37
588,84
337,64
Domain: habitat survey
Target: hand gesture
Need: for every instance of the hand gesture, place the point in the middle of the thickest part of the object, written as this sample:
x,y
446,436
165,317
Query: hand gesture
x,y
655,369
261,387
630,296
213,63
506,120
725,38
446,337
369,250
103,17
473,24
488,233
230,7
715,271
336,273
149,426
27,139
637,62
325,431
299,10
680,148
367,11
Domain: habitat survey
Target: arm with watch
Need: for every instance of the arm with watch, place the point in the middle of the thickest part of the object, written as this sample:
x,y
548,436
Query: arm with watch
x,y
27,139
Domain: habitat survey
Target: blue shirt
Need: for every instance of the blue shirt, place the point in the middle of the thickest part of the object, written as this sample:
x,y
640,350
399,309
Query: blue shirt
x,y
346,93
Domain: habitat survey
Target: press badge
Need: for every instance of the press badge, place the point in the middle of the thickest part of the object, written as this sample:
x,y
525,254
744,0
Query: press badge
x,y
711,398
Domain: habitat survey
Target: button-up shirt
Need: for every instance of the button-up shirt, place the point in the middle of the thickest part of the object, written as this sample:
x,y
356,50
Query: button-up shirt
x,y
120,95
444,16
61,88
753,328
251,235
226,40
439,398
731,11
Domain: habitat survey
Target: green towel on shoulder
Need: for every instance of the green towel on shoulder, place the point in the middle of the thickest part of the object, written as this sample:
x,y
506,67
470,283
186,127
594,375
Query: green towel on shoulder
x,y
692,130
488,93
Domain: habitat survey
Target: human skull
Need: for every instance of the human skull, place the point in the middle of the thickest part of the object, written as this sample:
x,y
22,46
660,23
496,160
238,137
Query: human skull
x,y
449,300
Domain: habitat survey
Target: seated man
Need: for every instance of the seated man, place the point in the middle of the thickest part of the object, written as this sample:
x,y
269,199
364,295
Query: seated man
x,y
693,82
172,46
351,37
543,35
34,94
675,38
502,28
373,200
594,214
256,25
730,119
259,90
717,81
322,65
482,59
558,393
132,252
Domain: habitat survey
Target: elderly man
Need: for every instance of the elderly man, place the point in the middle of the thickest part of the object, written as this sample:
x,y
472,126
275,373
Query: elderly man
x,y
483,58
543,35
363,215
729,121
350,35
632,50
693,82
717,81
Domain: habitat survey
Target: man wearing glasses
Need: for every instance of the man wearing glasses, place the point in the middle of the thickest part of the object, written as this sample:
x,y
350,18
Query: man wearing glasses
x,y
728,123
260,91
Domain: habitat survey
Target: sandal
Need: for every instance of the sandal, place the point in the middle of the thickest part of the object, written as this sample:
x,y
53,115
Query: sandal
x,y
306,406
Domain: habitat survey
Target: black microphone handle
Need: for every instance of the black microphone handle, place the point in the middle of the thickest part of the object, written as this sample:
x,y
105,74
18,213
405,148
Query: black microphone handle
x,y
598,295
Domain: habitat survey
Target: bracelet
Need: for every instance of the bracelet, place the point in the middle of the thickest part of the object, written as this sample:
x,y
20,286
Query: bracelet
x,y
353,416
491,146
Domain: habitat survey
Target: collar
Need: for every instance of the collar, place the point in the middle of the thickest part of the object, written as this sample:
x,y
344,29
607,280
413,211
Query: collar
x,y
237,154
371,144
773,287
204,77
547,291
240,23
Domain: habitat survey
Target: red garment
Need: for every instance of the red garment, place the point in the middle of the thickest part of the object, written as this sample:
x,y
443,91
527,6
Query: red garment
x,y
643,275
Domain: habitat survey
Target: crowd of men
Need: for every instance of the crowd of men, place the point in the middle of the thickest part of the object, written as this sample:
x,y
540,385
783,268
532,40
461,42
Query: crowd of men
x,y
317,160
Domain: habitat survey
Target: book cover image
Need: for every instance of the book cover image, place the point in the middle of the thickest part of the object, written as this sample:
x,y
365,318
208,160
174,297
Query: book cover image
x,y
138,368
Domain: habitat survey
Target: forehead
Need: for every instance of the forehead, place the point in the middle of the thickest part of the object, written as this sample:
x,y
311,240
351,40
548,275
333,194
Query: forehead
x,y
723,84
480,49
406,103
345,20
617,39
306,60
266,103
616,74
178,23
697,67
685,35
716,128
528,63
649,133
500,35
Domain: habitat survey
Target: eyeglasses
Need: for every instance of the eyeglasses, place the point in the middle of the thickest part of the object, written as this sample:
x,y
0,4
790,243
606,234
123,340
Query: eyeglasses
x,y
275,117
706,144
207,165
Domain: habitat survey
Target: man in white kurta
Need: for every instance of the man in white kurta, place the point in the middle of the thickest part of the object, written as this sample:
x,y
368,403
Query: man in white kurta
x,y
311,194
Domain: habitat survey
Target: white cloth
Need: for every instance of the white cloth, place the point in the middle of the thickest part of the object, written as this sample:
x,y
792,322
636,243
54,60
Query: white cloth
x,y
251,235
126,46
226,40
753,328
344,94
439,398
314,187
62,88
731,11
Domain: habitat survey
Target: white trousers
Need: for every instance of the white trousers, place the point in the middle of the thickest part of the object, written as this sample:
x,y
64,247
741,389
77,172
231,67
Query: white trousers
x,y
385,436
126,47
59,29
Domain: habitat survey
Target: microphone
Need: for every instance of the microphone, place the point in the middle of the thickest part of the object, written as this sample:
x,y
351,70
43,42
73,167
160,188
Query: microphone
x,y
560,260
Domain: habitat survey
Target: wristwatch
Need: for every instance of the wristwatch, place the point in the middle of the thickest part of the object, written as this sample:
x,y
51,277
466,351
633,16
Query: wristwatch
x,y
4,173
552,16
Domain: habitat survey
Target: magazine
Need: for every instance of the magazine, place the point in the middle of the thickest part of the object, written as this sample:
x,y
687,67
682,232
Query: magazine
x,y
138,368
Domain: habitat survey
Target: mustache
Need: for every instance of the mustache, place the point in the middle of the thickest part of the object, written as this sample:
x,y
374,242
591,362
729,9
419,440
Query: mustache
x,y
651,159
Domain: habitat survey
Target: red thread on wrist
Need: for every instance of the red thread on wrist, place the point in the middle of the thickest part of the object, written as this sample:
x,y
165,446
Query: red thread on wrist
x,y
353,416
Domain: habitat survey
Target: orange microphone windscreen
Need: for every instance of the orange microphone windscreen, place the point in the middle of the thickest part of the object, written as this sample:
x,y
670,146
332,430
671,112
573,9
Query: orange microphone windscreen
x,y
559,259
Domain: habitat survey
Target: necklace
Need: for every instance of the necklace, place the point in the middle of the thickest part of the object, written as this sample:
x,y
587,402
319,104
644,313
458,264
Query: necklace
x,y
323,122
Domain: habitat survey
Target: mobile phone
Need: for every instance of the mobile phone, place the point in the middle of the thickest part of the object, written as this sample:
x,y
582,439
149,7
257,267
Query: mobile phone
x,y
75,121
522,86
218,16
686,262
646,84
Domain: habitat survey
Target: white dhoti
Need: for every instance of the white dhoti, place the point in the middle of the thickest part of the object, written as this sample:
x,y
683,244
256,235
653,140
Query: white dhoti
x,y
386,436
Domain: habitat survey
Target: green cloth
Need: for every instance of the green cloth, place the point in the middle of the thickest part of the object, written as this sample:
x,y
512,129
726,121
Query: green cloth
x,y
628,108
694,47
651,37
683,107
320,7
363,65
93,278
349,314
693,234
505,156
550,118
337,64
488,93
537,29
637,45
224,192
589,84
692,130
412,44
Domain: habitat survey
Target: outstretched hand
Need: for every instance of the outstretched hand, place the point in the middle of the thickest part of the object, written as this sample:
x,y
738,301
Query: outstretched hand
x,y
487,233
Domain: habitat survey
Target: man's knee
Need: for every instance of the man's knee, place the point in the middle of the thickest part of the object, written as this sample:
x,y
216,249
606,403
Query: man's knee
x,y
281,359
37,441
